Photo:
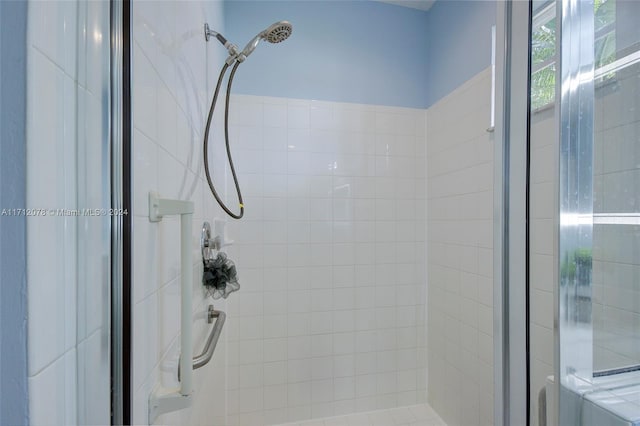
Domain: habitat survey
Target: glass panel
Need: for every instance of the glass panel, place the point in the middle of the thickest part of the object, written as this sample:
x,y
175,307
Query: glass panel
x,y
543,204
93,265
575,337
616,230
596,247
598,298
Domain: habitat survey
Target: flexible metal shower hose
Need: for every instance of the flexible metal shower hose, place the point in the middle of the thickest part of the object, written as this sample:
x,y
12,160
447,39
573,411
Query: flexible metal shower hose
x,y
226,137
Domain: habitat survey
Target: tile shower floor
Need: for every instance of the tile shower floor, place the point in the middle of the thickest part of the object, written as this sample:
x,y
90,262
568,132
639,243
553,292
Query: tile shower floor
x,y
415,415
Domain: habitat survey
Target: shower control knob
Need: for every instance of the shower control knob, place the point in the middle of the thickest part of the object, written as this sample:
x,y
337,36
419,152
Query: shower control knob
x,y
213,244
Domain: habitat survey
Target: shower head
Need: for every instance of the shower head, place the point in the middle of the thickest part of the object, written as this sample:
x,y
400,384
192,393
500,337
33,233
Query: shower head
x,y
280,31
275,33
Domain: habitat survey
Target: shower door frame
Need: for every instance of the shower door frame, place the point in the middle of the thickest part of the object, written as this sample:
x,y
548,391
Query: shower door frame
x,y
121,236
511,210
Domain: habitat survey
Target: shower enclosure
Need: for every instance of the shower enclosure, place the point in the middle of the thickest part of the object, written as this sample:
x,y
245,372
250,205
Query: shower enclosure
x,y
365,251
332,252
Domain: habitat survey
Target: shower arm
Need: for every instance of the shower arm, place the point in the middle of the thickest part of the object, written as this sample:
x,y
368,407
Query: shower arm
x,y
232,48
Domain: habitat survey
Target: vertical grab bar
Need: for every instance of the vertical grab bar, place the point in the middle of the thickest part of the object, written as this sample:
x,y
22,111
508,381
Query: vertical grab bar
x,y
165,400
186,300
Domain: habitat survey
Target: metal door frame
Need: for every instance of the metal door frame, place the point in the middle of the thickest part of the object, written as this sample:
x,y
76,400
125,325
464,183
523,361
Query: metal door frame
x,y
121,236
511,171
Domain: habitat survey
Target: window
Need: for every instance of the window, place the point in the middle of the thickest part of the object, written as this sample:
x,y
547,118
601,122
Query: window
x,y
543,56
543,44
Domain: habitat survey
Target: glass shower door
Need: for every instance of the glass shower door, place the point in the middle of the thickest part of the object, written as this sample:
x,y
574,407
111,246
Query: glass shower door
x,y
597,260
584,247
543,201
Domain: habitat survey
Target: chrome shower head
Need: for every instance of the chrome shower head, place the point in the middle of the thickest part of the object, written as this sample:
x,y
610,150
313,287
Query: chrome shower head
x,y
276,33
280,31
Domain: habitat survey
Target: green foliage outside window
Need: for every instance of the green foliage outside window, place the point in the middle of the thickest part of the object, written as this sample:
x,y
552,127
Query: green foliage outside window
x,y
605,43
543,80
543,40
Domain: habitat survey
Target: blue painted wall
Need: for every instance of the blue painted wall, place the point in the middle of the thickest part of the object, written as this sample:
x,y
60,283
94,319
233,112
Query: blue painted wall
x,y
13,304
346,51
459,43
363,51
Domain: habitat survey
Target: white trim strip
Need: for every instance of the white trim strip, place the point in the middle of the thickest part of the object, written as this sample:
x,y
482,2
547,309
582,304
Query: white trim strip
x,y
618,65
600,219
616,219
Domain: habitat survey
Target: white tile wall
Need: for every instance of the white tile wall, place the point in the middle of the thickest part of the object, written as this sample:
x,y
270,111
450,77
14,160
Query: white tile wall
x,y
460,255
171,78
67,47
330,316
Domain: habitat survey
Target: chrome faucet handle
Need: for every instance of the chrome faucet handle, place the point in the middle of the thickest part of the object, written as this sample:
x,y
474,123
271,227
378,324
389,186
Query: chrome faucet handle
x,y
207,243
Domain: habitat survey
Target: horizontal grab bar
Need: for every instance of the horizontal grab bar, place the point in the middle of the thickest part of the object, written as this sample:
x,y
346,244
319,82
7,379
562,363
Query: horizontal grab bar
x,y
212,341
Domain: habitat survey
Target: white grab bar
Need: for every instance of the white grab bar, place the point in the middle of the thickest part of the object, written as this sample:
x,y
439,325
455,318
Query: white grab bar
x,y
164,400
